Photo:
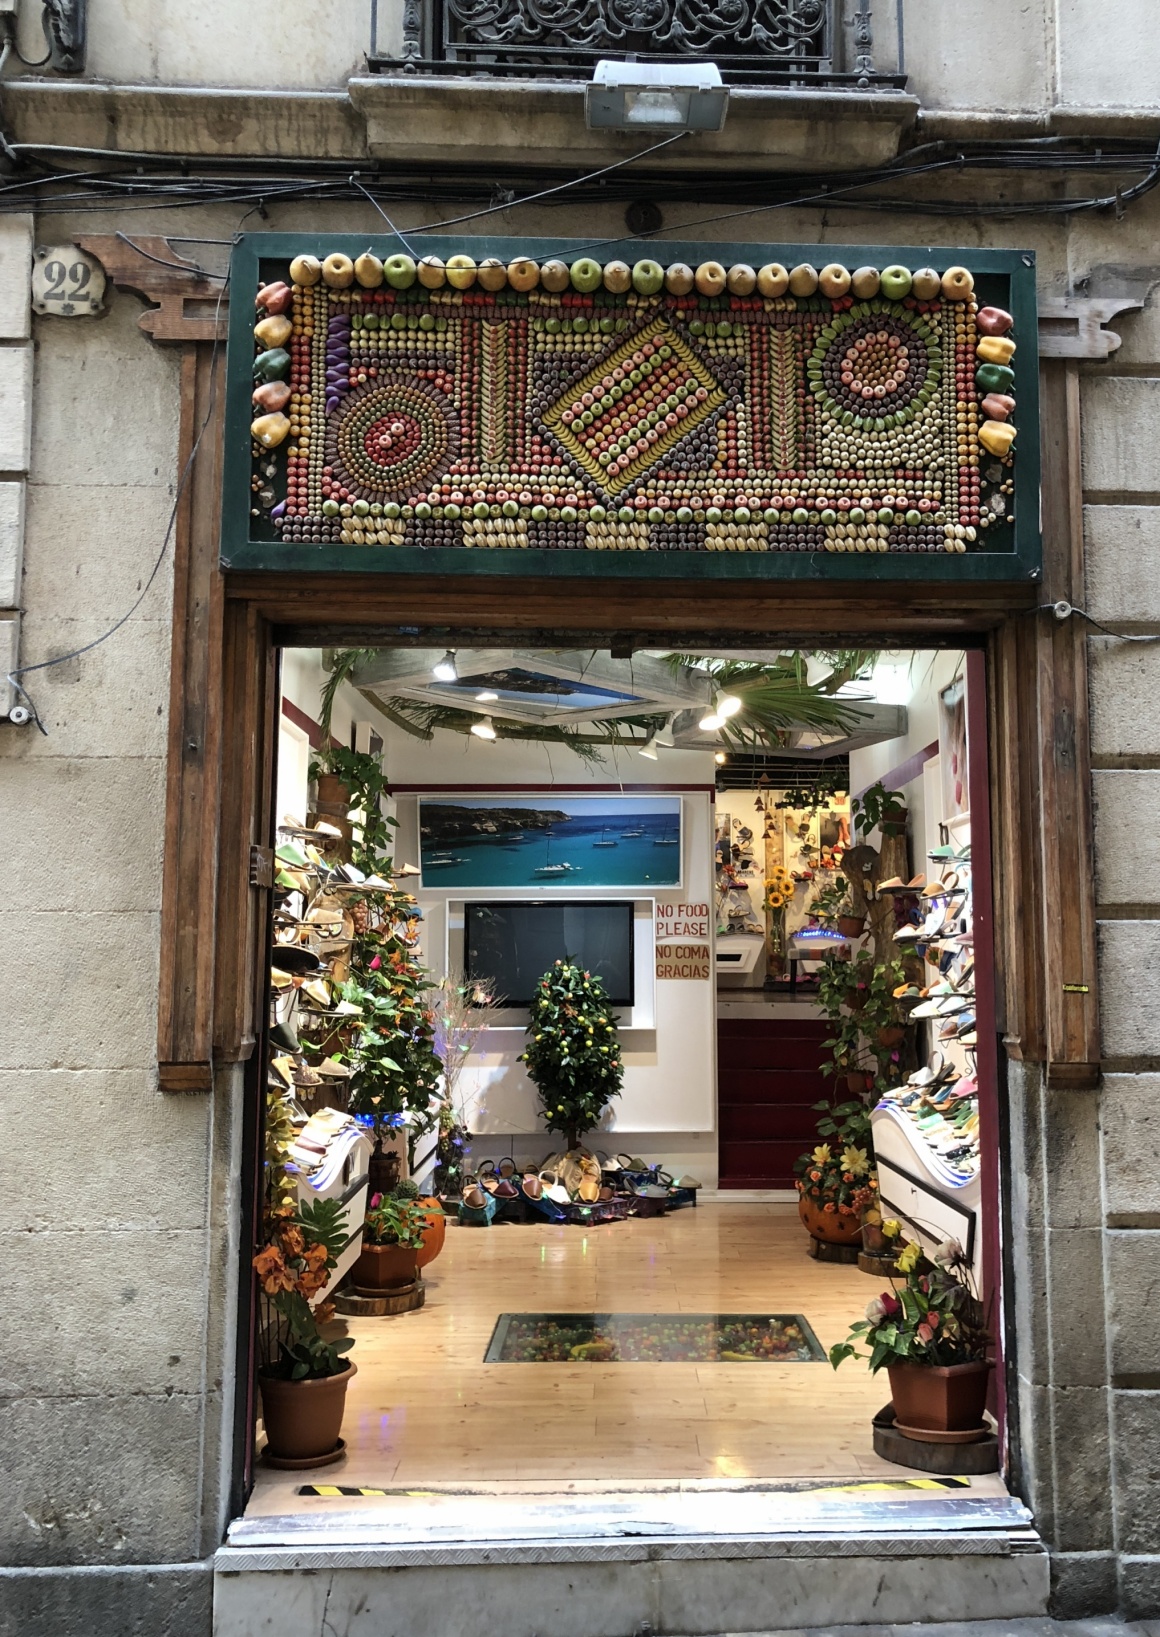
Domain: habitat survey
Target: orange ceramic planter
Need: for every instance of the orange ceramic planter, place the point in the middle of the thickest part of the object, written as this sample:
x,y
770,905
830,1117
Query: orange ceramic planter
x,y
830,1226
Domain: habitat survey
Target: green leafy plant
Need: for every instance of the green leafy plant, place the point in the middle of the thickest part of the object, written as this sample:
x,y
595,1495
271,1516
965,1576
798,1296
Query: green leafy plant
x,y
301,1250
394,1221
830,901
573,1053
858,998
879,809
935,1317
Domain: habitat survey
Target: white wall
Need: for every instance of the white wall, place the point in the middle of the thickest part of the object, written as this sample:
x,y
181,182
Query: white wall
x,y
914,679
670,1069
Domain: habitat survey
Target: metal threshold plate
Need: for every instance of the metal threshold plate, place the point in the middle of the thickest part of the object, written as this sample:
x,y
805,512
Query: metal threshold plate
x,y
720,1516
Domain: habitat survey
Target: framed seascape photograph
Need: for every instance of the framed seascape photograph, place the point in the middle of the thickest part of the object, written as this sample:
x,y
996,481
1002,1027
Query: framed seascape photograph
x,y
550,841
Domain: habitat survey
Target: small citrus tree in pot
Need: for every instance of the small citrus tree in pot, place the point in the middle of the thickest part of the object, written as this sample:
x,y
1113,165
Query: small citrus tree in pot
x,y
573,1053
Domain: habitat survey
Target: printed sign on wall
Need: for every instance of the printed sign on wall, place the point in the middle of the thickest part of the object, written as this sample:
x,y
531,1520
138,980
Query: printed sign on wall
x,y
681,921
683,960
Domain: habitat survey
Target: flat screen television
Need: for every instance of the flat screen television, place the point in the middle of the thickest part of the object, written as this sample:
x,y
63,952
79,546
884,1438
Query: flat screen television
x,y
514,944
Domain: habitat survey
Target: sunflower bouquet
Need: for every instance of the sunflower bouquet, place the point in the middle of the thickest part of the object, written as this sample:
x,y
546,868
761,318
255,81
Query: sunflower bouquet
x,y
779,889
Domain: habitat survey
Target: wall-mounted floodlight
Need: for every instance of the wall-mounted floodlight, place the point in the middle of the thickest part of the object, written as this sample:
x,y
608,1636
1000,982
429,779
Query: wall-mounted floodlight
x,y
655,96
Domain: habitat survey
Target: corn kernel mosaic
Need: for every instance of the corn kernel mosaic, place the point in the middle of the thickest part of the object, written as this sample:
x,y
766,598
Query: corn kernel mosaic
x,y
605,407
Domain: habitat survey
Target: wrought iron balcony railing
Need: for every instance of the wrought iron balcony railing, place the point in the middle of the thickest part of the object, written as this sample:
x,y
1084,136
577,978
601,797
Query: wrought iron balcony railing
x,y
753,42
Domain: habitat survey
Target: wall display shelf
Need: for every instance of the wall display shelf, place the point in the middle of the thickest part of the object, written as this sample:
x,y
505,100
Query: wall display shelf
x,y
508,406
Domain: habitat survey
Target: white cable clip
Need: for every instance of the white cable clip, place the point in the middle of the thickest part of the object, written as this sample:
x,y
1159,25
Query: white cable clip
x,y
1062,610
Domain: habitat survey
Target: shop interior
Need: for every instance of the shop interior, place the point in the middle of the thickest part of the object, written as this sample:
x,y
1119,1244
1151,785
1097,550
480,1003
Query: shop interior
x,y
627,1270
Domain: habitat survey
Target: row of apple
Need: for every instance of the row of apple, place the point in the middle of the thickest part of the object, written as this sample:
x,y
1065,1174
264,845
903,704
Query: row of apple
x,y
646,277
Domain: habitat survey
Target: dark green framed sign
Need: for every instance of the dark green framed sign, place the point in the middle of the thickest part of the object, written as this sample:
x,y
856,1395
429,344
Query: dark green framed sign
x,y
677,410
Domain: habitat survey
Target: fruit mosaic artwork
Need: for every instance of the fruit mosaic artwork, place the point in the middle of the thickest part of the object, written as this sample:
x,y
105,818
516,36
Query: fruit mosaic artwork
x,y
652,1338
591,406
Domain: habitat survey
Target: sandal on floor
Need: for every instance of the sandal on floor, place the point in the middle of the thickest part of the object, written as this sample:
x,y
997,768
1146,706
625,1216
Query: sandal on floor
x,y
476,1208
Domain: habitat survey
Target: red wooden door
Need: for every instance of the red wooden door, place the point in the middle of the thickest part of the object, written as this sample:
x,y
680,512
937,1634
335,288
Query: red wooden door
x,y
768,1079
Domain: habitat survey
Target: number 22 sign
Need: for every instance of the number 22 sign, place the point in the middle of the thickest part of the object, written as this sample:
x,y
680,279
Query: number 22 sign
x,y
66,282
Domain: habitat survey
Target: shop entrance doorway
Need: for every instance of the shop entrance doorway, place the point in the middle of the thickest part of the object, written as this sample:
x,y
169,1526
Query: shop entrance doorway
x,y
656,1319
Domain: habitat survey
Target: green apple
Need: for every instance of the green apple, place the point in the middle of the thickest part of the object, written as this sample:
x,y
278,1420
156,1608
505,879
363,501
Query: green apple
x,y
895,282
586,275
399,271
648,277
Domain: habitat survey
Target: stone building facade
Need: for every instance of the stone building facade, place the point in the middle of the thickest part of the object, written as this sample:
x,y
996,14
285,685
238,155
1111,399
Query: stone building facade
x,y
122,1229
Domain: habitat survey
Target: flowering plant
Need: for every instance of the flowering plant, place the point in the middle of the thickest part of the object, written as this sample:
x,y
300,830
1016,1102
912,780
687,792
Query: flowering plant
x,y
839,1175
394,1221
302,1247
934,1317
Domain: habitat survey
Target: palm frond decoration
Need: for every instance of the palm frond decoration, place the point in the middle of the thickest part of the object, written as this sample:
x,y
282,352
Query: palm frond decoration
x,y
776,698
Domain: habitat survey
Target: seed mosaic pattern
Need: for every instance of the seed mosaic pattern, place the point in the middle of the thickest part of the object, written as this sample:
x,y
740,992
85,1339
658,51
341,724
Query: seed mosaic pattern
x,y
618,420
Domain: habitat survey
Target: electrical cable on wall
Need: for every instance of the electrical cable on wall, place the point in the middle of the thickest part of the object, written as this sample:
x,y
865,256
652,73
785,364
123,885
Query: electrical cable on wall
x,y
13,677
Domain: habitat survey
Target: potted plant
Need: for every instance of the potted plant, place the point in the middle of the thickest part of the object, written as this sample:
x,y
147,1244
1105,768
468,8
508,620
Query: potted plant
x,y
434,1226
931,1337
879,809
302,1375
833,907
573,1053
858,997
392,1240
836,1179
332,767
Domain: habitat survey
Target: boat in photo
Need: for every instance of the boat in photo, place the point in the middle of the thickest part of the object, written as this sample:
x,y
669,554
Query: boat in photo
x,y
604,841
630,835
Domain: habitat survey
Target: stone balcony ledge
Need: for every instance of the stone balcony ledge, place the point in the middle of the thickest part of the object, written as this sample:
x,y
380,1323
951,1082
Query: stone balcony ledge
x,y
452,120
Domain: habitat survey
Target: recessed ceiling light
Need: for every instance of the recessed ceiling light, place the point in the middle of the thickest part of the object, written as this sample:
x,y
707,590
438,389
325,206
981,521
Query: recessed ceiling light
x,y
483,728
720,758
446,670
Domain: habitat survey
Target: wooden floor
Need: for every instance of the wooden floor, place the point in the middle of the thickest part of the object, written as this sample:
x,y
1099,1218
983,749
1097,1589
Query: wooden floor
x,y
425,1410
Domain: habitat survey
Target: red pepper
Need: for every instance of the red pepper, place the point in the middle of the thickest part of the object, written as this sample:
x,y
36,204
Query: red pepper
x,y
275,298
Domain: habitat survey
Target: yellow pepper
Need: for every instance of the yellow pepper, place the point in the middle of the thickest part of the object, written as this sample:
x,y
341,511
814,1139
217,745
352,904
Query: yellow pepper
x,y
270,430
273,331
995,349
997,436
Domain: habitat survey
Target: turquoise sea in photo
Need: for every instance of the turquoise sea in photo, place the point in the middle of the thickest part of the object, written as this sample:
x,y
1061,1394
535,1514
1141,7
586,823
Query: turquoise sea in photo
x,y
573,842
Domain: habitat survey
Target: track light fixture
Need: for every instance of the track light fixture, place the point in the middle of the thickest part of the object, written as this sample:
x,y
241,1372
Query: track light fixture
x,y
446,670
483,728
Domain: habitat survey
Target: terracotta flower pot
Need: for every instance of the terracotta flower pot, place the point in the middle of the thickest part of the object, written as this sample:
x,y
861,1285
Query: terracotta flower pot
x,y
303,1418
831,1226
890,1034
333,794
851,926
858,1081
434,1232
939,1397
386,1267
894,827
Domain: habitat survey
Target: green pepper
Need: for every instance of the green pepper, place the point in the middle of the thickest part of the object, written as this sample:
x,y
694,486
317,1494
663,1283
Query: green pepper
x,y
994,378
273,365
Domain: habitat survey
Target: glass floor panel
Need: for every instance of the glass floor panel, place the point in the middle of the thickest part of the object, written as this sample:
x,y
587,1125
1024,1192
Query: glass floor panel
x,y
653,1338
